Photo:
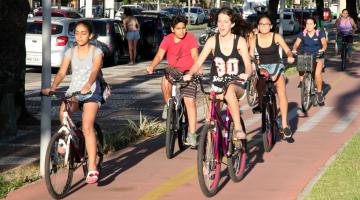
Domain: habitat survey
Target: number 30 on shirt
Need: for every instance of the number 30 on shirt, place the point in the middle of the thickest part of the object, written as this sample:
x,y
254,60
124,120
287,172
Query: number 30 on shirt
x,y
231,67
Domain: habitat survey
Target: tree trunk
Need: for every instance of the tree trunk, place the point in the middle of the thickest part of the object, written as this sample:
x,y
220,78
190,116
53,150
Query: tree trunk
x,y
320,9
351,7
13,18
273,5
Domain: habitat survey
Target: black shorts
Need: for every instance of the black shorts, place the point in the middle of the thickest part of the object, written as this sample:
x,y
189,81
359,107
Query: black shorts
x,y
187,90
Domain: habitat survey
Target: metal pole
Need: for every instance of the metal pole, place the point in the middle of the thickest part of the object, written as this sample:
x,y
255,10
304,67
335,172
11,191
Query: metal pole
x,y
88,9
281,27
189,16
45,83
158,5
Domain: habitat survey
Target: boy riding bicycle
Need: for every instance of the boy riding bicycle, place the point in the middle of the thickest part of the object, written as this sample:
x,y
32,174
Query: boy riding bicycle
x,y
181,51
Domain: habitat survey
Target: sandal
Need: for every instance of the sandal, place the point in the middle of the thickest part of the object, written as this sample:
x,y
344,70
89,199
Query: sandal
x,y
92,177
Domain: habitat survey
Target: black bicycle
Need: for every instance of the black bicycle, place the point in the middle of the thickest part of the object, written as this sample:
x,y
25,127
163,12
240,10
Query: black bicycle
x,y
66,152
345,41
177,121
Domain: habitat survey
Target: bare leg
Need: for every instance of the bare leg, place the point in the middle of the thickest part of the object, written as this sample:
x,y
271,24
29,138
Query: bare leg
x,y
74,107
318,77
232,95
131,54
190,104
88,120
281,91
166,89
135,50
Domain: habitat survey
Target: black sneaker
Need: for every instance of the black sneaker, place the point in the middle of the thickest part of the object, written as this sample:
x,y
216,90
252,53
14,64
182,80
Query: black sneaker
x,y
257,110
320,98
300,84
286,132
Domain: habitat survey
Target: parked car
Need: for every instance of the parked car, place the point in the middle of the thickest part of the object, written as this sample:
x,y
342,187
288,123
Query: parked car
x,y
110,38
97,11
61,37
197,15
174,11
290,23
153,27
135,9
61,13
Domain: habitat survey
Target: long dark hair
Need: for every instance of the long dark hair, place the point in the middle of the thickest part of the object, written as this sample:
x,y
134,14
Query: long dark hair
x,y
241,27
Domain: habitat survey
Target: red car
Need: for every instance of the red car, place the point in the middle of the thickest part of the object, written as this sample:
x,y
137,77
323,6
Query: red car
x,y
61,13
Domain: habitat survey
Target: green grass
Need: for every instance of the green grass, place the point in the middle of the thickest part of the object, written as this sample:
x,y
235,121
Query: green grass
x,y
13,179
342,179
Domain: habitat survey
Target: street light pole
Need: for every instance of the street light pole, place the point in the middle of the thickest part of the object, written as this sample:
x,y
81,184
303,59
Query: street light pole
x,y
45,83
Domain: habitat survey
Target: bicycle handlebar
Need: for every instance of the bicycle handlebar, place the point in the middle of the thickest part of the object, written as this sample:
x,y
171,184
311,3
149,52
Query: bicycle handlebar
x,y
53,94
227,79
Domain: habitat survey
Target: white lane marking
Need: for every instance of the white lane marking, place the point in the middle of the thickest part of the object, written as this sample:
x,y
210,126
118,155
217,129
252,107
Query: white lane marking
x,y
344,122
314,120
253,120
16,160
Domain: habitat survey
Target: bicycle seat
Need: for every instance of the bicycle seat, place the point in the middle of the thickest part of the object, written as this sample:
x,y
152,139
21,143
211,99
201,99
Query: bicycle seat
x,y
264,73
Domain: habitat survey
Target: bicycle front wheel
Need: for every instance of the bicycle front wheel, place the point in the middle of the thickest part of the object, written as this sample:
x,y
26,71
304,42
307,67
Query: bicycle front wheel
x,y
183,131
268,131
306,92
237,159
59,165
170,130
251,92
208,161
343,57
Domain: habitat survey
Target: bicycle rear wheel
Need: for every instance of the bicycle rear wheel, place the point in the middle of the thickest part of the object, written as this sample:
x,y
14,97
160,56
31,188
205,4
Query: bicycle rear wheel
x,y
59,170
170,130
306,92
208,161
237,159
183,129
251,92
268,128
99,149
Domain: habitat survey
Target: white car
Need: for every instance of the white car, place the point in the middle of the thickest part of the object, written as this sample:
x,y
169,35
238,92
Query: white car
x,y
291,25
61,37
197,15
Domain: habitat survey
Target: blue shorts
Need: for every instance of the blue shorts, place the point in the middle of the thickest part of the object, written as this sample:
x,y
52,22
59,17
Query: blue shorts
x,y
133,35
94,97
272,67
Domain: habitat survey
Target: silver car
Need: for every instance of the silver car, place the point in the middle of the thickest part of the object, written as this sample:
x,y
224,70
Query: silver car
x,y
62,36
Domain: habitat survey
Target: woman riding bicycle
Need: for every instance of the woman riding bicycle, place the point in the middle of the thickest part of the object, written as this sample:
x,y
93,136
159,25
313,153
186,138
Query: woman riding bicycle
x,y
314,43
181,51
86,61
346,26
266,44
229,51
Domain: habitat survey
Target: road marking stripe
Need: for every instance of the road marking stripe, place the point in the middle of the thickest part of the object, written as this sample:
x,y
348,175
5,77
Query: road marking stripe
x,y
337,81
16,160
314,120
169,185
344,122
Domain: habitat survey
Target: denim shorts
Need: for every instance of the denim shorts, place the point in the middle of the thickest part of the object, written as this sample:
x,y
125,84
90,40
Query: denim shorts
x,y
272,67
133,35
237,83
94,97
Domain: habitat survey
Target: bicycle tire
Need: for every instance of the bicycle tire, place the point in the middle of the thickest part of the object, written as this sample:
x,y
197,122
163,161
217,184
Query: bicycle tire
x,y
51,154
99,149
306,89
267,128
170,133
237,160
251,92
183,129
343,57
208,161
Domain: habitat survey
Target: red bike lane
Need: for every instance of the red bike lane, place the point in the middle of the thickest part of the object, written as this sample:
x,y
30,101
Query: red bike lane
x,y
143,172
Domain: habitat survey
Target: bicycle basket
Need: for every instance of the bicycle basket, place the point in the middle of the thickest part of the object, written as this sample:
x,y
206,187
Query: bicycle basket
x,y
305,63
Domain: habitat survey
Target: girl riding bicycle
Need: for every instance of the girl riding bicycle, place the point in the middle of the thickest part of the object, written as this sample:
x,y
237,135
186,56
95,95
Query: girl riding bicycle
x,y
181,51
86,61
266,44
314,43
346,26
229,51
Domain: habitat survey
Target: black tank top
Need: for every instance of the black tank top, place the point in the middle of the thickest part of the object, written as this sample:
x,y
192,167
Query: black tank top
x,y
222,64
268,55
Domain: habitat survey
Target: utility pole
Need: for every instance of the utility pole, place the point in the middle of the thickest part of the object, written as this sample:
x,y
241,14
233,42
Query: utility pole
x,y
88,9
45,83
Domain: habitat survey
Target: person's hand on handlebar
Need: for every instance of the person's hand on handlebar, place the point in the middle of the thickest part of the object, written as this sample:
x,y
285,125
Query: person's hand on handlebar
x,y
150,69
187,77
290,60
47,91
